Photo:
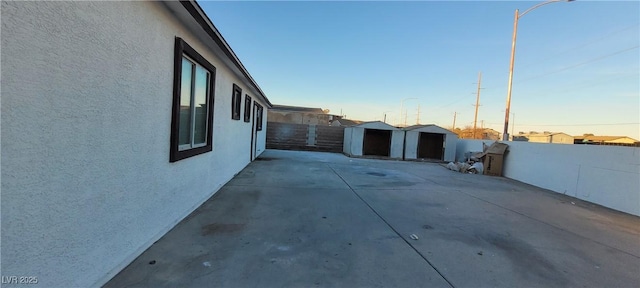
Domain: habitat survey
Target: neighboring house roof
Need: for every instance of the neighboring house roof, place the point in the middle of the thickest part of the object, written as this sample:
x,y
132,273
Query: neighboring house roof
x,y
543,134
602,138
416,126
483,130
206,24
546,134
298,109
348,122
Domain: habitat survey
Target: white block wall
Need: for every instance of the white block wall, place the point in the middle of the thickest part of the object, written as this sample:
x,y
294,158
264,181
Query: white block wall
x,y
86,113
605,175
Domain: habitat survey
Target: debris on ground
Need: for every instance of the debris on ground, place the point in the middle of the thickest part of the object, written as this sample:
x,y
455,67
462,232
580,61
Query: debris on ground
x,y
414,236
476,168
475,162
466,167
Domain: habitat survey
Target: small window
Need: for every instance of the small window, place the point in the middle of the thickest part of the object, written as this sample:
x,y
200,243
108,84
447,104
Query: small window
x,y
247,108
259,117
235,102
192,115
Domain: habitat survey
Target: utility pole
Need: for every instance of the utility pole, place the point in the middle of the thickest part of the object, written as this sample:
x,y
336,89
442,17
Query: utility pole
x,y
401,109
418,118
513,124
454,121
505,133
405,119
475,119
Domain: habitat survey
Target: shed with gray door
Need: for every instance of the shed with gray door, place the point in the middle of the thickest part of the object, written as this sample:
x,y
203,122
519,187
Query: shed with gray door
x,y
373,139
429,142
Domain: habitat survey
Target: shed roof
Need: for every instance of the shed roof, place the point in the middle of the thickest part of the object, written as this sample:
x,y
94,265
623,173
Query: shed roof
x,y
428,128
348,122
377,125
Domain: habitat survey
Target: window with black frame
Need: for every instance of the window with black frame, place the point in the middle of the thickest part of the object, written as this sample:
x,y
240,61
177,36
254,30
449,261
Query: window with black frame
x,y
235,102
247,108
259,117
192,113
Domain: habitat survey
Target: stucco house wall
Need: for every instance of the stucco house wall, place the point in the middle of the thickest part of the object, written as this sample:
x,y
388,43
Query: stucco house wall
x,y
86,122
557,138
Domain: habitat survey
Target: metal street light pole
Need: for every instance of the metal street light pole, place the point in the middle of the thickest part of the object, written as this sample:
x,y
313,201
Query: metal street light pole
x,y
505,135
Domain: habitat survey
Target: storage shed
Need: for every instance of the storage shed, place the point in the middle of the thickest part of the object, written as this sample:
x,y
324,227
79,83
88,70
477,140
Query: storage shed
x,y
429,142
375,139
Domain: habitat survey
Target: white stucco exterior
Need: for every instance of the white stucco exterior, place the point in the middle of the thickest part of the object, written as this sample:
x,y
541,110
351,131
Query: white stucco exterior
x,y
412,139
86,122
354,139
605,175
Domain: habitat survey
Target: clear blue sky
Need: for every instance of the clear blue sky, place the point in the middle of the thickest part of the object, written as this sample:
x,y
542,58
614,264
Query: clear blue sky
x,y
576,64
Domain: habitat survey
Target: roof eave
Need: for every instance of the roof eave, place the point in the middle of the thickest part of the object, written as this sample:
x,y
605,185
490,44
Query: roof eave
x,y
207,25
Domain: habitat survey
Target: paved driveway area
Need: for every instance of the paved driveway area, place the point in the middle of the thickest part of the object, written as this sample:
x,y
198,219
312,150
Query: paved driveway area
x,y
307,219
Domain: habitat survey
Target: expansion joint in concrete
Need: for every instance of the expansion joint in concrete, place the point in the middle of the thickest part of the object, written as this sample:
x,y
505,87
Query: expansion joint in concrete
x,y
391,227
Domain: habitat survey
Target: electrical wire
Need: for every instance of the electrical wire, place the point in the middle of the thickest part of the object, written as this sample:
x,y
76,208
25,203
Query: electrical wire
x,y
570,50
586,84
580,46
579,64
562,125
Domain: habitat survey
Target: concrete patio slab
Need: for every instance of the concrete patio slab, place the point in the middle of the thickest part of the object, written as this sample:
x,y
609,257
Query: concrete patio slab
x,y
308,219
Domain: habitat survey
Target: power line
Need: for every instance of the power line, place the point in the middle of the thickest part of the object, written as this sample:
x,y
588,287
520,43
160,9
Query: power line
x,y
456,101
585,84
573,49
579,64
581,45
599,124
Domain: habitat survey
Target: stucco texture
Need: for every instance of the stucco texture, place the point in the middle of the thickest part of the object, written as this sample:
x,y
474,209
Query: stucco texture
x,y
86,114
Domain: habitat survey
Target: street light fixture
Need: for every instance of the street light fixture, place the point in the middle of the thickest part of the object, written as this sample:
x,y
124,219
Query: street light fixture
x,y
505,135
